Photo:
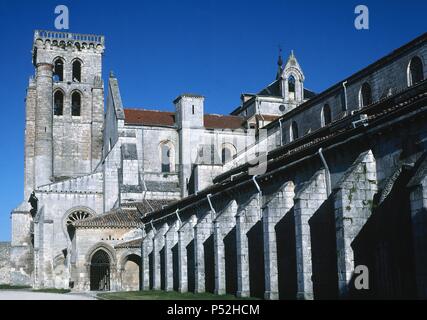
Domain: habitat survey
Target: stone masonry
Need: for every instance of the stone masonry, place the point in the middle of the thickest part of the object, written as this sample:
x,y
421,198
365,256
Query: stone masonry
x,y
4,262
282,198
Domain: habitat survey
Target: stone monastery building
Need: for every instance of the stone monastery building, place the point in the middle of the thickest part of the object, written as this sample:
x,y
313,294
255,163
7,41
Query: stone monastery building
x,y
282,198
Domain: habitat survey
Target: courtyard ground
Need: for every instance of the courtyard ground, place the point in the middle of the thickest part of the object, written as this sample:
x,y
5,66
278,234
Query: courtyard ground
x,y
163,295
25,294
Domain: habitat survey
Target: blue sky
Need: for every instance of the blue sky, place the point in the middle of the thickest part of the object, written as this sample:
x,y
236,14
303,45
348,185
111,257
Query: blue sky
x,y
159,49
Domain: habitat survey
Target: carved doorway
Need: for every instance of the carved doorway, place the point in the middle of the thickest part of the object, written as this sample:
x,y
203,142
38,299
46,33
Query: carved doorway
x,y
100,271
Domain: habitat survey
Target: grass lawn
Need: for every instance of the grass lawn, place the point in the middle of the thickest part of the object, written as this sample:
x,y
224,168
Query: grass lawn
x,y
163,295
10,287
52,290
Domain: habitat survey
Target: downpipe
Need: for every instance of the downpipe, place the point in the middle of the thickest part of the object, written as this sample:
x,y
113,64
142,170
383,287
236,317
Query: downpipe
x,y
328,173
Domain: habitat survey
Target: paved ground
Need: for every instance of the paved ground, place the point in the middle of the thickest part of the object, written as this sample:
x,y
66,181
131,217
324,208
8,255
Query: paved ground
x,y
28,295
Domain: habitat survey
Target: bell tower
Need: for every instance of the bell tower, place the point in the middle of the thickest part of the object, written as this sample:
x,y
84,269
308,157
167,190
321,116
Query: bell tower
x,y
291,81
64,108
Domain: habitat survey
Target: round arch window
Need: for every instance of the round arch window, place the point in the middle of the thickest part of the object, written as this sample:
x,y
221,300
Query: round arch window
x,y
73,217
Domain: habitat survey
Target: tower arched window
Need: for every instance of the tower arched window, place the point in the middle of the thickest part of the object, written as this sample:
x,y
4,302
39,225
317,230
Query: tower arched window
x,y
365,95
58,103
294,131
76,103
415,71
291,87
77,71
326,115
58,70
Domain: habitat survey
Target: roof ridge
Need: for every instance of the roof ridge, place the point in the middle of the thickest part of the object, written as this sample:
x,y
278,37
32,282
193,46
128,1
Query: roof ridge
x,y
223,115
143,109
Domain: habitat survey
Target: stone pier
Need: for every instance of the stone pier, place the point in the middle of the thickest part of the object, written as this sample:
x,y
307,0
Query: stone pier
x,y
248,214
146,250
353,200
185,236
202,231
171,240
275,209
223,224
307,200
158,246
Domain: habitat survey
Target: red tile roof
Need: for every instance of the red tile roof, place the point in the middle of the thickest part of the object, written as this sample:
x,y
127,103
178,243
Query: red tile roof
x,y
166,118
213,121
135,243
266,117
127,216
149,117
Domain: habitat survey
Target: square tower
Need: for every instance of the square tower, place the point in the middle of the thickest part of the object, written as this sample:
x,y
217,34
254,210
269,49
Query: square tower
x,y
189,114
189,110
64,108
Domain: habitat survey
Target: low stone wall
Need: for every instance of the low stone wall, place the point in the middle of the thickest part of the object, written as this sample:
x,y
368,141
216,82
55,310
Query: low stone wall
x,y
4,262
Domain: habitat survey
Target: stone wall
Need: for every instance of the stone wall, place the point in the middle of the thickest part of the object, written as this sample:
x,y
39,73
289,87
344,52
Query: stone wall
x,y
331,206
74,142
391,77
4,262
89,241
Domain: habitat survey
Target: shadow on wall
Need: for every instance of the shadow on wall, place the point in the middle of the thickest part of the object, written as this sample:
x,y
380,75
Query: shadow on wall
x,y
286,256
209,259
162,269
230,253
151,266
256,260
324,252
175,267
384,245
190,267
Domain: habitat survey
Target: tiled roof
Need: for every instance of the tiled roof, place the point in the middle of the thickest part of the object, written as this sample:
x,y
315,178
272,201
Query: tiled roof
x,y
266,117
149,117
136,243
162,186
213,121
114,219
127,216
146,206
166,118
